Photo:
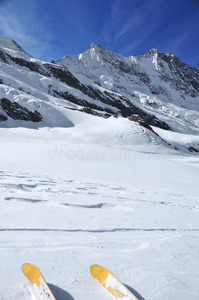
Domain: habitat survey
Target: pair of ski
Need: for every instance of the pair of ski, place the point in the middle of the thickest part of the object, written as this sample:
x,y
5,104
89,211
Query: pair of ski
x,y
104,276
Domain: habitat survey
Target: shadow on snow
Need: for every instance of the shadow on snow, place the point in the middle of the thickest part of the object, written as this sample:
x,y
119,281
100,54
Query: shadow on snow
x,y
59,293
134,292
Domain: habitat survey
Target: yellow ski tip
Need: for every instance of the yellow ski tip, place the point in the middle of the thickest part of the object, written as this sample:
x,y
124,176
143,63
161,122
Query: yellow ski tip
x,y
99,272
32,273
26,268
114,286
95,269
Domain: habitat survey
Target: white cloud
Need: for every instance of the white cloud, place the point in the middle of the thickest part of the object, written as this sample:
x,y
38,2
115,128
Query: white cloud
x,y
125,21
128,25
132,23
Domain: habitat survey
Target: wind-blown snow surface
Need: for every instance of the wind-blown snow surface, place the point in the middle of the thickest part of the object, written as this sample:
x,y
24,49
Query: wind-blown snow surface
x,y
105,192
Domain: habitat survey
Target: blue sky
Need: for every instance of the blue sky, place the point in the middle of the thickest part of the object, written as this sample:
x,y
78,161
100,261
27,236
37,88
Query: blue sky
x,y
51,29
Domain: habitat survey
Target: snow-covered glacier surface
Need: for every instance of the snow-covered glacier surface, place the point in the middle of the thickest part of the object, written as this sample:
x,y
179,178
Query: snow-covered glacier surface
x,y
102,192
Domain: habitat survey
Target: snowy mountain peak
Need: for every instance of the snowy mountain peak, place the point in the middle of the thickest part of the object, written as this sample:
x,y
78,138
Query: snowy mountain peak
x,y
153,51
96,47
8,43
96,51
9,46
168,57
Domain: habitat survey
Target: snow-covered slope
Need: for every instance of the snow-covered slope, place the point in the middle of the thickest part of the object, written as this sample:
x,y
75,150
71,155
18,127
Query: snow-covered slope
x,y
97,192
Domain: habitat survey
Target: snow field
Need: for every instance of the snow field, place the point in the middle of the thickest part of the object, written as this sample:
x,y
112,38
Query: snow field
x,y
98,193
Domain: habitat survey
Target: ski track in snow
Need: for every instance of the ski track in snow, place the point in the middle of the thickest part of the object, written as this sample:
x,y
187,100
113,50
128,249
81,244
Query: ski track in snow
x,y
76,189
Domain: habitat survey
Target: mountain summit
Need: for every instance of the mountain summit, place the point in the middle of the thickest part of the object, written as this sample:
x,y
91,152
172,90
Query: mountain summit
x,y
9,46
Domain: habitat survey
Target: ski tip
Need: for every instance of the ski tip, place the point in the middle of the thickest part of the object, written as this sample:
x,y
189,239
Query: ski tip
x,y
95,269
26,268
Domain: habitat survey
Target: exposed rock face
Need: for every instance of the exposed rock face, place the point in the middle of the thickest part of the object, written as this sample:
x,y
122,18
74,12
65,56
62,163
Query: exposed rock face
x,y
3,117
18,112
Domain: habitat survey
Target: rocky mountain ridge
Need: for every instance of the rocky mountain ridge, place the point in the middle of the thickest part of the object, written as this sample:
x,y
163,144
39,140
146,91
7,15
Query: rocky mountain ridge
x,y
155,86
151,69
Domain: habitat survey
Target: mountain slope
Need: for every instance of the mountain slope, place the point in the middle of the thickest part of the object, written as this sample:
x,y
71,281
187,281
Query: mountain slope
x,y
158,83
154,89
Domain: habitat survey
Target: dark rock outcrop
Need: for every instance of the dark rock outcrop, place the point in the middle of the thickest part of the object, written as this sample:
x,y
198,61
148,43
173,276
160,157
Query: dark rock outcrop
x,y
19,112
3,117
